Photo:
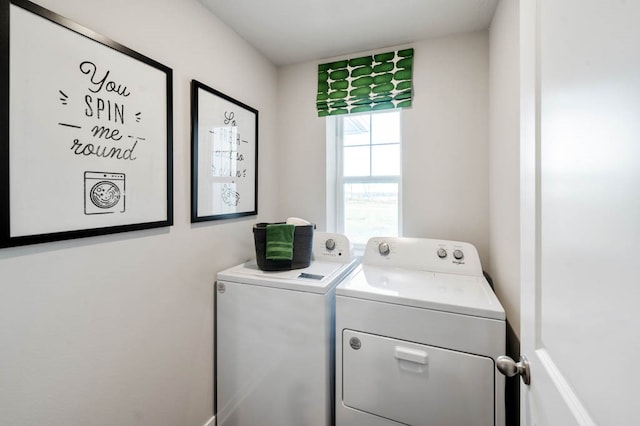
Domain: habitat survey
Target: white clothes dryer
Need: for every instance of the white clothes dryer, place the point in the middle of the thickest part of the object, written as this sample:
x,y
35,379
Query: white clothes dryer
x,y
275,334
418,330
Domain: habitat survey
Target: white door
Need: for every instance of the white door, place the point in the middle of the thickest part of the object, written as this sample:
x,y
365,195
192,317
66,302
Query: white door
x,y
580,211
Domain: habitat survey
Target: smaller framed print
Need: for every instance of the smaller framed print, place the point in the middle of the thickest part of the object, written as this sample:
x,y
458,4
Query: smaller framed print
x,y
224,156
85,132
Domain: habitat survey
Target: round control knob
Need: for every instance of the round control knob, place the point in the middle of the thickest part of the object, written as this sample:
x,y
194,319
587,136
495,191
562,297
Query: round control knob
x,y
458,254
384,249
330,244
442,253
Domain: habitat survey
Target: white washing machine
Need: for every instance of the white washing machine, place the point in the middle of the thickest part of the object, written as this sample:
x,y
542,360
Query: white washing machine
x,y
275,334
418,330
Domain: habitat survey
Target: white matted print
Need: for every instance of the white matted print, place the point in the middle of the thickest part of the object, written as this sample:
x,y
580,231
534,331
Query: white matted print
x,y
224,156
88,147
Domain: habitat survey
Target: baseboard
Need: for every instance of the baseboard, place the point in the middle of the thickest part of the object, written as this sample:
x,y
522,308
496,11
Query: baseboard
x,y
211,422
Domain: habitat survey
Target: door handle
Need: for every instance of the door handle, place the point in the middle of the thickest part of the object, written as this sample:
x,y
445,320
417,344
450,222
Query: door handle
x,y
510,368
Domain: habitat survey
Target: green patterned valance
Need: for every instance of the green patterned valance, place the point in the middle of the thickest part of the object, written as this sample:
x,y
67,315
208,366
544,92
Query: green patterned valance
x,y
369,83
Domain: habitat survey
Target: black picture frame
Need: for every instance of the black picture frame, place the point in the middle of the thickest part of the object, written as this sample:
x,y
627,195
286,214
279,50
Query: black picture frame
x,y
224,156
86,132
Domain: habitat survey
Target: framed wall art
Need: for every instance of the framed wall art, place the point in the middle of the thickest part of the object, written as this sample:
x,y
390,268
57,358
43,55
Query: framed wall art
x,y
224,156
86,132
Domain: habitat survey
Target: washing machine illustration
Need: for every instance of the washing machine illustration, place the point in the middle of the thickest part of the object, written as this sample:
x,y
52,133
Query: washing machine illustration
x,y
104,193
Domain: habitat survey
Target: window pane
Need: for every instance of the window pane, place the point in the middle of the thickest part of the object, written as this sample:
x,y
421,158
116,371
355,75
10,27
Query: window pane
x,y
356,161
385,127
385,160
356,139
356,130
370,210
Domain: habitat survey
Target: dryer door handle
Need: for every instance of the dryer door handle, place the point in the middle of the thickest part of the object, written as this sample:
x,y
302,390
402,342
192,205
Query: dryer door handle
x,y
412,355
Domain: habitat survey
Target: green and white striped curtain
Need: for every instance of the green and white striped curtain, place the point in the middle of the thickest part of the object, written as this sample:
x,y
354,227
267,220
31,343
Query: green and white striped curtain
x,y
369,83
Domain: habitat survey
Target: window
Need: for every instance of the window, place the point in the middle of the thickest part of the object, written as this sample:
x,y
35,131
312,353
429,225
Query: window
x,y
368,175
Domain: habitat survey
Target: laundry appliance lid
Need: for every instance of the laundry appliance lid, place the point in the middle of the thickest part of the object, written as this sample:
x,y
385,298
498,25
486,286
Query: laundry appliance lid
x,y
461,294
318,277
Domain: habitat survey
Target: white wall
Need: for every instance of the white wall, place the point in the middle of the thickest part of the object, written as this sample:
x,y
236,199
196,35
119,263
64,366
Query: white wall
x,y
118,330
504,158
302,145
445,142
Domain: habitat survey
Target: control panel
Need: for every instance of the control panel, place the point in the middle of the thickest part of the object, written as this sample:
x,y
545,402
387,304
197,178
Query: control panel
x,y
423,254
331,247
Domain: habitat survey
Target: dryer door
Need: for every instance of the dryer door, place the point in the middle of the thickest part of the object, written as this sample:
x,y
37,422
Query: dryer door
x,y
416,384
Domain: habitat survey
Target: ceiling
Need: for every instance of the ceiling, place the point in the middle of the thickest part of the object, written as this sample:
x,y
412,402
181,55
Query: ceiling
x,y
292,31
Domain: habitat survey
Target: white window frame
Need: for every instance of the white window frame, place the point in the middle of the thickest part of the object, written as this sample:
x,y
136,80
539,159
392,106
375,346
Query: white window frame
x,y
335,201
